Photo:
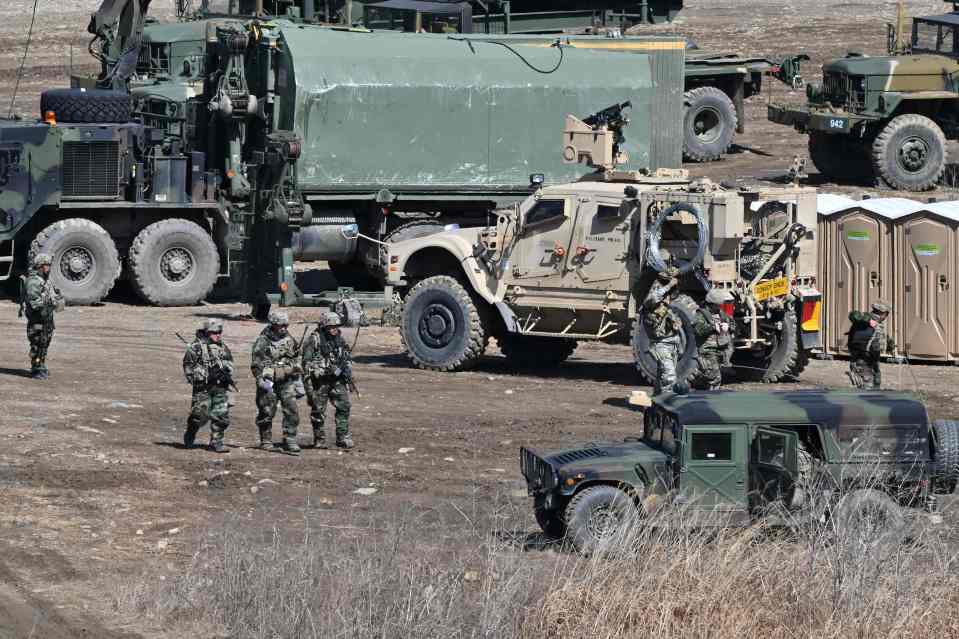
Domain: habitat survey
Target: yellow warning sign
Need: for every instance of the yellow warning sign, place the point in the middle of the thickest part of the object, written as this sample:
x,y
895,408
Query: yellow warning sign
x,y
771,288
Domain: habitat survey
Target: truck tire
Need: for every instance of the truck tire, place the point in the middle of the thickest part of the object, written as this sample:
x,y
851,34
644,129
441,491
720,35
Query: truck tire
x,y
527,352
173,263
90,106
868,516
551,522
909,154
85,261
783,361
688,362
440,326
709,124
838,157
945,437
595,515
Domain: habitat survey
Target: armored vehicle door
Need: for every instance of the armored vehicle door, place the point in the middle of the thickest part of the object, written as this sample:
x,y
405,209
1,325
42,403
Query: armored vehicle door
x,y
539,257
598,251
713,469
774,463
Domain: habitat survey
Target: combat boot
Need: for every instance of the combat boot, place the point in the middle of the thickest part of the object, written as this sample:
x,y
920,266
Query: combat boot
x,y
217,446
291,447
266,440
345,442
189,437
319,440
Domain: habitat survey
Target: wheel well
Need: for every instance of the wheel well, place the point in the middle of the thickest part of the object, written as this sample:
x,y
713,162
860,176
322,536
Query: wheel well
x,y
929,108
431,261
629,489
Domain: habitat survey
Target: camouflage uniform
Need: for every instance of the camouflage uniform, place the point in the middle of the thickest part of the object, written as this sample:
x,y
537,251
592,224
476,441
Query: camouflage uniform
x,y
208,367
867,339
39,301
277,371
328,367
663,327
714,339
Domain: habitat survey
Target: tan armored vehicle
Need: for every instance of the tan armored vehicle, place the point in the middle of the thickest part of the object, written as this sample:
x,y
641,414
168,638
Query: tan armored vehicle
x,y
575,261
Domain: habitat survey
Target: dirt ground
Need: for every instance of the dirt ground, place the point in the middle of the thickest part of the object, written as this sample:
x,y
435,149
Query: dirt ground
x,y
98,493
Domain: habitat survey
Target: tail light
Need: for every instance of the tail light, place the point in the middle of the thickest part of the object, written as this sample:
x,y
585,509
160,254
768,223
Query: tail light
x,y
728,308
811,311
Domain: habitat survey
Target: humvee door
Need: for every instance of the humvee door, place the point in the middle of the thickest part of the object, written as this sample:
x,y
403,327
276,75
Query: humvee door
x,y
773,464
713,469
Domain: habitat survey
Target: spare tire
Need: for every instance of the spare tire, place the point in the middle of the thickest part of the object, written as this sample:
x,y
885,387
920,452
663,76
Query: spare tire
x,y
86,106
945,439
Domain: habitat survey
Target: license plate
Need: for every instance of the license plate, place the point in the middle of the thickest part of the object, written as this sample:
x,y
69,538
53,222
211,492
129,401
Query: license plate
x,y
771,288
837,124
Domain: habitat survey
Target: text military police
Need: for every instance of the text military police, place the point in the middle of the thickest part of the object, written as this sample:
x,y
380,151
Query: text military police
x,y
663,327
329,374
208,367
867,340
39,300
276,368
712,327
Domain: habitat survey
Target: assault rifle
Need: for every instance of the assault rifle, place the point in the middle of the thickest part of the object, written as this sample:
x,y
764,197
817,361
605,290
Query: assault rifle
x,y
220,374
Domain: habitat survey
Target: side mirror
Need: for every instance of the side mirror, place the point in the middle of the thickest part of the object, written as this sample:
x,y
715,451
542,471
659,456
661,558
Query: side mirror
x,y
536,180
350,231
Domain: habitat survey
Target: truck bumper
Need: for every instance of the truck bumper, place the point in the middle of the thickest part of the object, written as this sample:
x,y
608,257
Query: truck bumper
x,y
805,120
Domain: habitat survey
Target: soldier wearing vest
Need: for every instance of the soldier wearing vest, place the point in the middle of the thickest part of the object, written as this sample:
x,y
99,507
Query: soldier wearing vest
x,y
713,329
867,340
329,372
276,368
39,300
208,367
663,327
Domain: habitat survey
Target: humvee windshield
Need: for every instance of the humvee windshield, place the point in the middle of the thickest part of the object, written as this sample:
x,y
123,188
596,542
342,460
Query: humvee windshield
x,y
660,431
935,37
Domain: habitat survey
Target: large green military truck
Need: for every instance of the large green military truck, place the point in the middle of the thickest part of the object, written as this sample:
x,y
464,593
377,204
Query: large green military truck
x,y
224,146
799,458
575,261
716,85
886,117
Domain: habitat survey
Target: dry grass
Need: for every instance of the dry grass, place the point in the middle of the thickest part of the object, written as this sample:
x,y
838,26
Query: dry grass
x,y
383,577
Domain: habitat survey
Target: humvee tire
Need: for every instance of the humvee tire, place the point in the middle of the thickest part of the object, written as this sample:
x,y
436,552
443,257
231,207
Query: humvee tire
x,y
173,262
784,361
440,326
595,515
688,363
87,106
868,515
524,351
838,157
709,124
945,436
909,154
551,522
85,261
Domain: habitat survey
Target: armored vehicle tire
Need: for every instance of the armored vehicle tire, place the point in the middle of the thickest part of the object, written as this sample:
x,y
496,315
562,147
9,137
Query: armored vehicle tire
x,y
173,263
838,156
688,363
90,106
783,361
945,435
85,262
709,124
441,327
868,516
596,515
909,154
551,522
524,351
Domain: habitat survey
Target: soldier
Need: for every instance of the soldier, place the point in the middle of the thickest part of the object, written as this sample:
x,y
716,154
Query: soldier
x,y
712,328
663,327
329,373
208,366
40,299
867,339
277,373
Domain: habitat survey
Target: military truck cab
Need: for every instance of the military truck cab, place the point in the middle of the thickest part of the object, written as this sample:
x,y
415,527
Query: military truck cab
x,y
730,458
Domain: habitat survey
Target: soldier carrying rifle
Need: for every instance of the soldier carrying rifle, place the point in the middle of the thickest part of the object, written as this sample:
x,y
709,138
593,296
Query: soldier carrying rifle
x,y
39,300
208,366
328,365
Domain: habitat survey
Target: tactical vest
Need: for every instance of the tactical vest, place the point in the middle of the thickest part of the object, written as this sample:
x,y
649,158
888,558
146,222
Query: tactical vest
x,y
662,322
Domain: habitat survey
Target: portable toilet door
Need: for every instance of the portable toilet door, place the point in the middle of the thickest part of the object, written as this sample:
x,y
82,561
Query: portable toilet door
x,y
859,270
926,274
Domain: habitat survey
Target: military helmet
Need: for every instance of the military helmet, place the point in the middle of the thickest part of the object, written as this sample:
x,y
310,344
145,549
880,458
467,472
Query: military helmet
x,y
718,296
279,318
880,306
41,259
330,320
212,326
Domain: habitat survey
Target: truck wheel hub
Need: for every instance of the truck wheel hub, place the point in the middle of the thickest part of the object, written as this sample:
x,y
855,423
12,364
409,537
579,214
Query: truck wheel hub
x,y
913,154
437,326
76,264
602,522
176,264
706,125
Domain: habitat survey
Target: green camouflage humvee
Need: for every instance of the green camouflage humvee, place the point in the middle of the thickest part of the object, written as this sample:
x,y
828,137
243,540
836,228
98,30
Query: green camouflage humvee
x,y
886,116
733,457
